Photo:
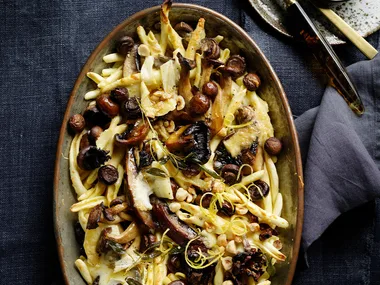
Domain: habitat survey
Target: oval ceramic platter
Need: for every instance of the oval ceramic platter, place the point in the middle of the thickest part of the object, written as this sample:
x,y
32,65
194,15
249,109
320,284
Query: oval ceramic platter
x,y
362,15
288,165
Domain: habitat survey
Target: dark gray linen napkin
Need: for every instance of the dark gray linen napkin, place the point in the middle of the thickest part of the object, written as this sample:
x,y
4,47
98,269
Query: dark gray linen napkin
x,y
341,152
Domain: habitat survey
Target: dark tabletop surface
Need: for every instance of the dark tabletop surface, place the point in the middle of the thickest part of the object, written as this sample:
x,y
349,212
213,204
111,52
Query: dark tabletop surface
x,y
43,45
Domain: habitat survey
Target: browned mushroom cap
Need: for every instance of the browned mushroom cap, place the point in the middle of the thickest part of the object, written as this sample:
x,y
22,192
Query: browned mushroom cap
x,y
124,45
244,114
210,48
183,29
94,217
184,86
182,117
107,106
179,232
235,66
92,157
131,171
135,136
131,62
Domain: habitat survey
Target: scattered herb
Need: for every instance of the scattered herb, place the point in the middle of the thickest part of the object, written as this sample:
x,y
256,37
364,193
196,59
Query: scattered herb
x,y
157,172
116,247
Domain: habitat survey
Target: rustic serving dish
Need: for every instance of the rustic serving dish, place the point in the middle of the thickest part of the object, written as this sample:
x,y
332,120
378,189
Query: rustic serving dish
x,y
289,162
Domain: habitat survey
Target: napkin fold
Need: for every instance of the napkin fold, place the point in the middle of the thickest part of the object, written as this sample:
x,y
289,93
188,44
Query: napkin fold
x,y
341,152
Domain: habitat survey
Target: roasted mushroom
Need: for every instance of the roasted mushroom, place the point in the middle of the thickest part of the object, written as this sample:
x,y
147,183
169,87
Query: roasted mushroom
x,y
258,190
77,123
194,140
135,135
107,106
92,157
124,45
94,117
273,146
210,48
131,109
244,114
235,66
252,81
179,232
249,264
230,173
199,104
119,94
131,62
108,174
94,217
210,89
183,29
138,191
93,134
184,86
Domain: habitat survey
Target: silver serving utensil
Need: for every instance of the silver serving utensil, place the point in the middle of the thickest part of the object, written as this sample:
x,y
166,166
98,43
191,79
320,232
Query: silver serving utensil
x,y
303,29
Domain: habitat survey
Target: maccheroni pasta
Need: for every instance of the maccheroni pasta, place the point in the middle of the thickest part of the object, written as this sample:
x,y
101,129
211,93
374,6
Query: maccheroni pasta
x,y
174,165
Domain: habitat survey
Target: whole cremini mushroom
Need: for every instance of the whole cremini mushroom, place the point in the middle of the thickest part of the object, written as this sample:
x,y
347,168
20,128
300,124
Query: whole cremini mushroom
x,y
252,81
77,123
94,117
199,104
107,106
210,89
108,174
244,114
229,173
210,48
273,146
124,45
258,190
119,94
131,108
235,66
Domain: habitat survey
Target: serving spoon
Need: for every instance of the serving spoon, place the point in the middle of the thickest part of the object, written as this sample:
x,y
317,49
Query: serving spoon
x,y
365,47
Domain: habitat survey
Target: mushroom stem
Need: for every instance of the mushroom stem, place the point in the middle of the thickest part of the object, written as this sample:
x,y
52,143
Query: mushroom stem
x,y
184,86
129,234
130,62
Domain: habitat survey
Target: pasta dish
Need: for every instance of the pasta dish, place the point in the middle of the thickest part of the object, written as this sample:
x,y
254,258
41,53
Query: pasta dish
x,y
174,165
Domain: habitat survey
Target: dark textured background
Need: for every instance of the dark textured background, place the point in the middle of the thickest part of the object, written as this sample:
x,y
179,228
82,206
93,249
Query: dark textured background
x,y
43,45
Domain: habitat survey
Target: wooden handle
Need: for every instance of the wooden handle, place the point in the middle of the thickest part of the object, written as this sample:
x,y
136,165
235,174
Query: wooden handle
x,y
364,46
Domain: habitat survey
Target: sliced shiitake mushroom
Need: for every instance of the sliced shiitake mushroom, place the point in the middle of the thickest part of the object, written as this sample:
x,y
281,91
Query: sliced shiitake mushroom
x,y
131,188
135,135
184,86
179,232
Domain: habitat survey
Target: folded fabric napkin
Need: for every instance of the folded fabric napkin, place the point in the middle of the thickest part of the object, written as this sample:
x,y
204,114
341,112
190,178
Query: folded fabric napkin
x,y
341,152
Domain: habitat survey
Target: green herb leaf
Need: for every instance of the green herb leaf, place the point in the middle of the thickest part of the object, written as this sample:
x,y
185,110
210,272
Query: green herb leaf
x,y
132,281
210,172
164,160
177,250
116,247
157,172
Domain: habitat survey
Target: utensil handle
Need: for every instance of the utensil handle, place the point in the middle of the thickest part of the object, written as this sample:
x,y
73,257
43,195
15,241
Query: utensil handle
x,y
365,47
305,30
